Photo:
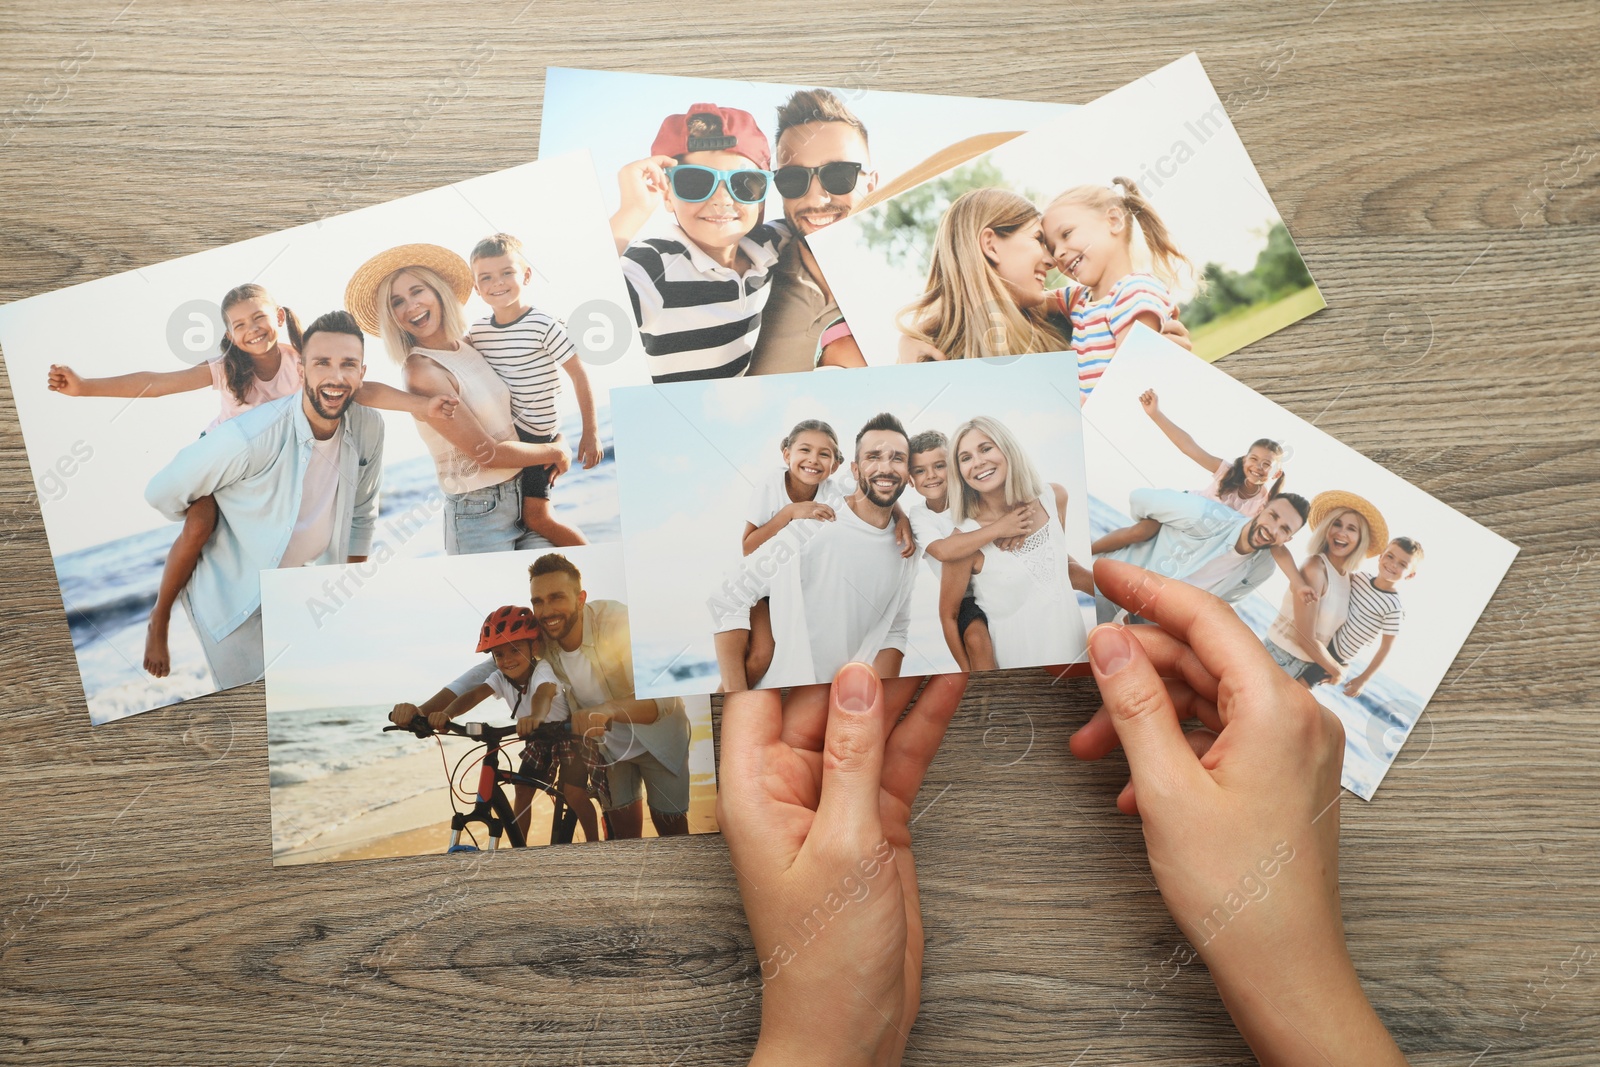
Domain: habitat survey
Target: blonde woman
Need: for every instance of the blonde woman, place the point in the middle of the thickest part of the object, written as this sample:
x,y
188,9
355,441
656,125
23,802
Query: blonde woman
x,y
412,296
986,293
1346,530
1020,583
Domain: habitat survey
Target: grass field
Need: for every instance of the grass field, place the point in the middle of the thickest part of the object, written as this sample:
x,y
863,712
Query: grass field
x,y
1238,328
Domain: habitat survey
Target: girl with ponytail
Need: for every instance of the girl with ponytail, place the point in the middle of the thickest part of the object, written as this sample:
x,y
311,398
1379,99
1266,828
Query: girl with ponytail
x,y
255,366
1089,231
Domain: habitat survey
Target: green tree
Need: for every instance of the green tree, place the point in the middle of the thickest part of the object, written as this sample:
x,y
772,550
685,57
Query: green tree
x,y
903,229
1278,271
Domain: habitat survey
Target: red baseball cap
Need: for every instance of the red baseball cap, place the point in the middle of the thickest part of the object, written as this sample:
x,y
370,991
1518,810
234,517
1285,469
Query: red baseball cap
x,y
709,128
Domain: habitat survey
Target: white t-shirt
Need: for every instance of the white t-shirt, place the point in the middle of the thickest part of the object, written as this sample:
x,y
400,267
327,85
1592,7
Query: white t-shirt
x,y
619,742
1220,571
928,526
313,527
521,703
840,591
771,495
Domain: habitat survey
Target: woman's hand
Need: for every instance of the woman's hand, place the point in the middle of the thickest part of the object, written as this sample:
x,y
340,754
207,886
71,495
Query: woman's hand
x,y
1242,828
814,801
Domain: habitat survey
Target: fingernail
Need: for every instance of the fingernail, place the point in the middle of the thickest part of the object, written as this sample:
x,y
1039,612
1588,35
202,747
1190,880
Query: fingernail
x,y
855,687
1108,649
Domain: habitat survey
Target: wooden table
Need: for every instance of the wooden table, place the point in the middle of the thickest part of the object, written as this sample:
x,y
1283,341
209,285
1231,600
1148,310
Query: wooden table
x,y
1438,164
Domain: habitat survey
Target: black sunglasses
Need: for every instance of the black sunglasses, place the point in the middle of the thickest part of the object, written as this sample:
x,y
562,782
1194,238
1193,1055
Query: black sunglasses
x,y
838,179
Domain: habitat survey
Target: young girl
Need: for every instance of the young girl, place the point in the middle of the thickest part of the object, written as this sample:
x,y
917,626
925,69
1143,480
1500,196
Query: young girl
x,y
255,367
803,488
1088,231
986,293
1242,485
531,690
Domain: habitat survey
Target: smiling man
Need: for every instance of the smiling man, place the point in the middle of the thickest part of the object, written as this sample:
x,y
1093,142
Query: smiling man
x,y
840,590
296,483
1206,544
824,169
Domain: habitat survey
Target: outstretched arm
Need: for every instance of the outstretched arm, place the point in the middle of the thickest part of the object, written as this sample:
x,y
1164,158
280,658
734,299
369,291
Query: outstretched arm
x,y
422,408
1176,434
65,380
1285,561
459,706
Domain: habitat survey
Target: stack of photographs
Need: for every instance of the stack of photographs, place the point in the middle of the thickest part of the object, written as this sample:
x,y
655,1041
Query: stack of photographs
x,y
496,483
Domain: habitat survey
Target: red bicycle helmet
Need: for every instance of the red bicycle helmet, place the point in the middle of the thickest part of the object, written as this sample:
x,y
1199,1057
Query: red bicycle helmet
x,y
504,625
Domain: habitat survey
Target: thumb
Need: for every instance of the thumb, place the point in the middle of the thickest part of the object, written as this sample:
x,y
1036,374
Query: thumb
x,y
1160,762
852,755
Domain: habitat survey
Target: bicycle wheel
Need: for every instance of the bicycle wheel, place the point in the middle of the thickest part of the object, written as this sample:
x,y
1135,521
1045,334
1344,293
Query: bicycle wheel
x,y
502,807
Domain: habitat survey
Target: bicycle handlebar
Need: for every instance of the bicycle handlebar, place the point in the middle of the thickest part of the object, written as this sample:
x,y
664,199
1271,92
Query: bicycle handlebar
x,y
478,731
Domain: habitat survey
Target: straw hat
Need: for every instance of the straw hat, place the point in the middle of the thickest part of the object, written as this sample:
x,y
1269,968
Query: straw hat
x,y
361,295
1325,504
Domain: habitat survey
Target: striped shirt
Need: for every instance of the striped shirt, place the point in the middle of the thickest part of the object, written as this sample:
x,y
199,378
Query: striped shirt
x,y
525,353
1372,612
697,318
1099,326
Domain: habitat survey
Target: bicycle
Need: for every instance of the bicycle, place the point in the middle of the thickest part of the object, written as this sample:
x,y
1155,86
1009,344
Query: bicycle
x,y
490,805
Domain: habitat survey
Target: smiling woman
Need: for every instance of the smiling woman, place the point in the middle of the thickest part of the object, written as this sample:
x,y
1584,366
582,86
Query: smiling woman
x,y
412,296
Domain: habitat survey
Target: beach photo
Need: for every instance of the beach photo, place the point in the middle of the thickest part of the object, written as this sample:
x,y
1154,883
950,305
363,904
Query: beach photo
x,y
1360,585
922,519
714,189
1141,206
426,376
429,705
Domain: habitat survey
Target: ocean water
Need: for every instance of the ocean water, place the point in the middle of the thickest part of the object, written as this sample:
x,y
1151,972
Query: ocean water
x,y
1375,723
109,589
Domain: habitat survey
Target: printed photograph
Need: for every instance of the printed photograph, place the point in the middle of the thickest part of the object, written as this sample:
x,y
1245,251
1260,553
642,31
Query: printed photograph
x,y
920,519
1360,585
714,189
1140,207
476,702
422,377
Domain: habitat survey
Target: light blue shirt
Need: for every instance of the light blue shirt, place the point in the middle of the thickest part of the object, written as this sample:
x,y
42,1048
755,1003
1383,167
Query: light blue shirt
x,y
255,467
1194,531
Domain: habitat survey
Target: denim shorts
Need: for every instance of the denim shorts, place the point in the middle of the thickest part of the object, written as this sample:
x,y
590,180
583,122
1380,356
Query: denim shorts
x,y
487,520
1289,662
535,480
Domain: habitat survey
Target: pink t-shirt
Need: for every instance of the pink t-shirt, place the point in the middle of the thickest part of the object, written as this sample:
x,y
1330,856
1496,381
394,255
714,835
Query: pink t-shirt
x,y
286,382
1248,506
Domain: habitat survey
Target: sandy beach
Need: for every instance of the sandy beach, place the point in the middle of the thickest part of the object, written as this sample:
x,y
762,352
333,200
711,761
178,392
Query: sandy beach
x,y
401,807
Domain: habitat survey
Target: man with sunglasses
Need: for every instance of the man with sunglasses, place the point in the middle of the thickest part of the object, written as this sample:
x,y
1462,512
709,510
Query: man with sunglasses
x,y
699,290
824,171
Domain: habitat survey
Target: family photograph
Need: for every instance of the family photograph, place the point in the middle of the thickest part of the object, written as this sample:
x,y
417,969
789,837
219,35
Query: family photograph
x,y
427,376
715,198
1142,207
917,519
1359,585
482,701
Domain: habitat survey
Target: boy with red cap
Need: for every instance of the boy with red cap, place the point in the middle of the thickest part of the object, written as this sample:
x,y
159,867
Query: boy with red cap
x,y
698,291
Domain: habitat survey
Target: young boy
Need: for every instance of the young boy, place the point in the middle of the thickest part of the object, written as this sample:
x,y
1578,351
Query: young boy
x,y
933,530
529,687
698,292
524,346
1374,610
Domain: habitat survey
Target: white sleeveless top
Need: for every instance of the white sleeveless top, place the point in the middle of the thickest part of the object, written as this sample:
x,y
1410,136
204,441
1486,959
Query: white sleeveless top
x,y
1032,610
487,397
1332,610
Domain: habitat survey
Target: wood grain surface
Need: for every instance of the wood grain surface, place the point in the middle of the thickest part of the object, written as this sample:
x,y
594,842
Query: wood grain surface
x,y
1438,164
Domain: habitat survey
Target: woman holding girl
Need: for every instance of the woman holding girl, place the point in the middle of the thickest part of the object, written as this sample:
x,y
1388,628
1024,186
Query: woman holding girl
x,y
256,366
413,297
1346,530
988,292
1032,609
